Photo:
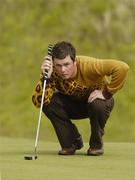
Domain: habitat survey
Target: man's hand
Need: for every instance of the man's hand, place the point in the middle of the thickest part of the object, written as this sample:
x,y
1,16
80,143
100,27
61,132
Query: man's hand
x,y
94,95
47,65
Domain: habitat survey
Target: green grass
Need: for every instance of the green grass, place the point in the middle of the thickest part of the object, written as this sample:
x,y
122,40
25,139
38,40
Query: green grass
x,y
118,162
26,29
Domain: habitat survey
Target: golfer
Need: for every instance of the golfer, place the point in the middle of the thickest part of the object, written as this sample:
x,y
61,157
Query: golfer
x,y
78,87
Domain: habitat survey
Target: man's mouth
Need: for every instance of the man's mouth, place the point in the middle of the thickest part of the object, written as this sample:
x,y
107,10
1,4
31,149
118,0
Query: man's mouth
x,y
64,74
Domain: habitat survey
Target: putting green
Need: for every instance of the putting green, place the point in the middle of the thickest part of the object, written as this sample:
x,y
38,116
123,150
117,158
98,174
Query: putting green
x,y
118,162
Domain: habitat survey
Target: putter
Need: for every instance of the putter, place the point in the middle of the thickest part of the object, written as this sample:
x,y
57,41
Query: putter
x,y
34,156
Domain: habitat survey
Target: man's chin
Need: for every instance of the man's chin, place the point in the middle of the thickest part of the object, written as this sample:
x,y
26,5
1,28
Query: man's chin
x,y
65,77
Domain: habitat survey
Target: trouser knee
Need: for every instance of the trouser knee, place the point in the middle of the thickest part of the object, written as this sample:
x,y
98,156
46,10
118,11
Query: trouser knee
x,y
100,108
47,110
53,108
96,106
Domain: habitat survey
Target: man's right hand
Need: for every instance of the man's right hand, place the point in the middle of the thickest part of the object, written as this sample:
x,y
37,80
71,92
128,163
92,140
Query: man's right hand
x,y
47,65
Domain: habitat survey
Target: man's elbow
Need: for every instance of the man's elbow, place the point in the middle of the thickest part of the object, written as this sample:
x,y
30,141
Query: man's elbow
x,y
124,68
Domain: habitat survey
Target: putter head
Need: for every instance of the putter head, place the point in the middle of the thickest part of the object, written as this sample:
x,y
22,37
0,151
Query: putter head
x,y
30,157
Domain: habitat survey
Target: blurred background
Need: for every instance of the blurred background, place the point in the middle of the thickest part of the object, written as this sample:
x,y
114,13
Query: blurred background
x,y
97,28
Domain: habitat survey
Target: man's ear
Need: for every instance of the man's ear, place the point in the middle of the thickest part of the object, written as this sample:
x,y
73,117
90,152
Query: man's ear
x,y
75,61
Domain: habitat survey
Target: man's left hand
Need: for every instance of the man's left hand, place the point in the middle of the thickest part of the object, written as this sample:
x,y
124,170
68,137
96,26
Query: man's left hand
x,y
94,95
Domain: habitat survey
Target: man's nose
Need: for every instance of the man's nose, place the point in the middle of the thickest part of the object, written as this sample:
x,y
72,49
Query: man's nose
x,y
62,68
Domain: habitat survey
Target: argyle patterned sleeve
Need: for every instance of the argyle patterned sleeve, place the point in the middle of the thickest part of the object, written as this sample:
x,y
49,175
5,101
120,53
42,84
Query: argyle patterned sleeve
x,y
49,91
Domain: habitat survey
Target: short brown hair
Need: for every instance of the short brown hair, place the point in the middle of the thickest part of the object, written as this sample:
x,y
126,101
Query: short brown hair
x,y
63,49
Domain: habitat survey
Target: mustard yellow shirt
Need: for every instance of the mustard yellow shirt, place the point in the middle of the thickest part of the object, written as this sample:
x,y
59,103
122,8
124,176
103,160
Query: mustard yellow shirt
x,y
106,74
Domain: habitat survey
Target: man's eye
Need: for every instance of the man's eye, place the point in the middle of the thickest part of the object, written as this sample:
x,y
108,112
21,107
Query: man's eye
x,y
58,65
67,64
64,65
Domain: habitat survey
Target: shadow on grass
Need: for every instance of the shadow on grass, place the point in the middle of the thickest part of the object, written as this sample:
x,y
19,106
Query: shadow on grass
x,y
52,152
45,152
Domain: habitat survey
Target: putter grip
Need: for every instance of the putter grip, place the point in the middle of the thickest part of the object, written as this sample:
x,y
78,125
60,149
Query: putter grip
x,y
50,47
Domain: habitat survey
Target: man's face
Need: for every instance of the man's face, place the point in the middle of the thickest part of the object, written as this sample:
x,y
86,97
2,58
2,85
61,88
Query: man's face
x,y
66,68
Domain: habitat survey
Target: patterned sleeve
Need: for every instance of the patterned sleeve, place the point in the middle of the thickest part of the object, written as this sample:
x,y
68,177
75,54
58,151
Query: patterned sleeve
x,y
49,91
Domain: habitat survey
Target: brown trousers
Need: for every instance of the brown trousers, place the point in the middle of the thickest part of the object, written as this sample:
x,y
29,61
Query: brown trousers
x,y
64,108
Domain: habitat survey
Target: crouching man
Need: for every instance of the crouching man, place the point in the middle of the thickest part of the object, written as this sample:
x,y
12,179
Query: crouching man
x,y
77,88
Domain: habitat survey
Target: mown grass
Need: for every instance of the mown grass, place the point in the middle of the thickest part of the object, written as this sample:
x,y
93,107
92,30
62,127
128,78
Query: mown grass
x,y
118,162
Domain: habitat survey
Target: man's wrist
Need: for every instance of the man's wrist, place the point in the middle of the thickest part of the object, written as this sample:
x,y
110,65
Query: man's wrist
x,y
107,94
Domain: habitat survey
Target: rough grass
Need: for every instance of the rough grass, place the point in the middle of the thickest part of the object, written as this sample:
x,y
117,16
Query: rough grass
x,y
118,162
26,29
